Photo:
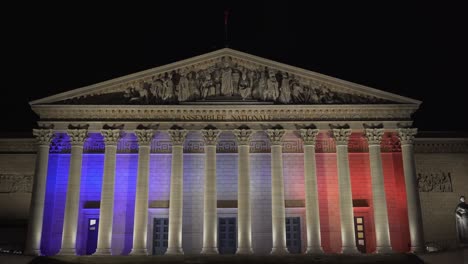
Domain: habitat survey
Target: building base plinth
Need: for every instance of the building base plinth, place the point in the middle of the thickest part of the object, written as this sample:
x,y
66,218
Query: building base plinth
x,y
314,250
174,251
209,251
244,251
139,252
279,251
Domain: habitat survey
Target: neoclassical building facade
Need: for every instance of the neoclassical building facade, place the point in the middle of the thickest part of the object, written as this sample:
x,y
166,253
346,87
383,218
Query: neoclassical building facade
x,y
229,153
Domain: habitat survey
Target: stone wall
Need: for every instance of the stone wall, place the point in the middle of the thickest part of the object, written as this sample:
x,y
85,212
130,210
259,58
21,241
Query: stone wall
x,y
436,172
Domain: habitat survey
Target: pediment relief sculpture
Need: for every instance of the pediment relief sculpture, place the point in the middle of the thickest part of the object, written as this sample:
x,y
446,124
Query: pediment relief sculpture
x,y
224,78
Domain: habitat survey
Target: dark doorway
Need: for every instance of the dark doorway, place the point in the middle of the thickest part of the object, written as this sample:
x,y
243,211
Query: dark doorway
x,y
360,233
227,241
293,234
160,234
91,242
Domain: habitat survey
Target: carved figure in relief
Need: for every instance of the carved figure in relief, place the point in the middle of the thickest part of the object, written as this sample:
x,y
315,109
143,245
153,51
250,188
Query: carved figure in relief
x,y
236,75
226,79
285,91
245,88
168,87
296,91
271,92
207,88
461,218
184,91
193,85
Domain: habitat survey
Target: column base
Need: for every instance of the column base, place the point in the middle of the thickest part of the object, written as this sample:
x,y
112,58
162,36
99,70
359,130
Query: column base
x,y
209,251
314,250
67,252
174,251
417,250
244,251
384,250
279,251
350,250
138,252
103,252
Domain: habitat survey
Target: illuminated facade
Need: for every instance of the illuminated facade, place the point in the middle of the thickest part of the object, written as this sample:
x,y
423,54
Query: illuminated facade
x,y
225,153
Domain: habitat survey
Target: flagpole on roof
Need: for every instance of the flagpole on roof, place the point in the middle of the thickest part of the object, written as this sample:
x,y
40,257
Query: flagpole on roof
x,y
226,16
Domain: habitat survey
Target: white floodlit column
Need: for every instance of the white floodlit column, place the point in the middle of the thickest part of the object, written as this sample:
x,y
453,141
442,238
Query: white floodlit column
x,y
382,230
106,211
277,193
70,222
210,215
244,223
36,209
348,243
177,190
140,224
314,244
412,193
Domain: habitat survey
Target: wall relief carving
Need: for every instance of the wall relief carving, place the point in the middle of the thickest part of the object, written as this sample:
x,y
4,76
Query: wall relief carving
x,y
15,183
224,78
435,181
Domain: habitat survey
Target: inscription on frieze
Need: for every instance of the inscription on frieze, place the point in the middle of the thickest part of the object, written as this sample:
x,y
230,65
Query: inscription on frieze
x,y
435,181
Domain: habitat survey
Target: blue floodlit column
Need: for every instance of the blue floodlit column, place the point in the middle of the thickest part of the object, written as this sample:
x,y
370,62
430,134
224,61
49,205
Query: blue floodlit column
x,y
106,211
244,223
210,215
72,205
140,224
177,190
36,209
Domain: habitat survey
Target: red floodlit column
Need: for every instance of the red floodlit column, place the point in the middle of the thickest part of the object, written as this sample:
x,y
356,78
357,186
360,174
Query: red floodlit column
x,y
412,194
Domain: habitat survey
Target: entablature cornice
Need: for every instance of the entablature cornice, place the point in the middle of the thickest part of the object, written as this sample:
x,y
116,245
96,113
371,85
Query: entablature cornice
x,y
225,113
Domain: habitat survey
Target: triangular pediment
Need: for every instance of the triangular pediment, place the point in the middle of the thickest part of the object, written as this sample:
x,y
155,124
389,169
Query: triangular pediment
x,y
225,76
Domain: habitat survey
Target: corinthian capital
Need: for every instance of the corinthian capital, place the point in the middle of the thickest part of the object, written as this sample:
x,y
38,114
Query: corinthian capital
x,y
210,136
406,135
243,136
111,136
177,136
309,135
144,136
43,136
275,135
374,135
341,135
77,136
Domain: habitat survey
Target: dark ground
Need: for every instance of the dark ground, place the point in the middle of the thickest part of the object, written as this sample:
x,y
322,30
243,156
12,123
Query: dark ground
x,y
197,259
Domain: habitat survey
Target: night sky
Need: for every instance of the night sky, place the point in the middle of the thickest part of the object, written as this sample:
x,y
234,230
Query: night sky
x,y
418,51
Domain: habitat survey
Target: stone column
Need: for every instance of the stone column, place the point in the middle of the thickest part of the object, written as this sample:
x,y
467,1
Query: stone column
x,y
140,224
72,205
412,193
106,211
36,209
244,223
277,193
177,190
314,244
210,215
348,243
382,231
